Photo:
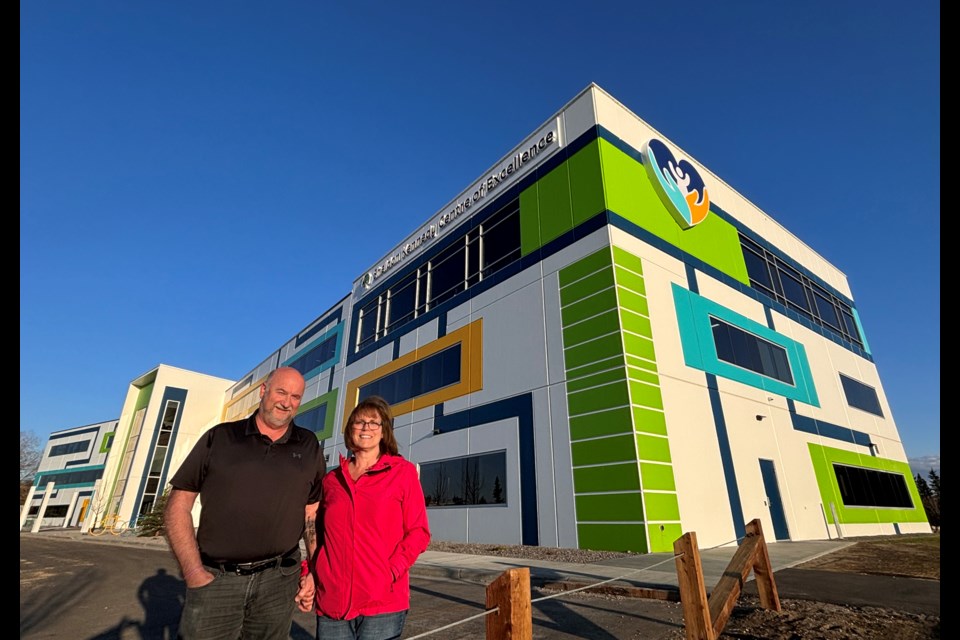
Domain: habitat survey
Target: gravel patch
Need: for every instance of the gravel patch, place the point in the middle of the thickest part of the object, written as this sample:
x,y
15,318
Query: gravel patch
x,y
552,554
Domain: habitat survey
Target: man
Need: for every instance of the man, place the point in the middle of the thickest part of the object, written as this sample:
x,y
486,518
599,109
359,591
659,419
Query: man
x,y
259,485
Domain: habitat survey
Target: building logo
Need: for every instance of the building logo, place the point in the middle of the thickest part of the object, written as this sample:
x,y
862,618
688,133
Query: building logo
x,y
679,185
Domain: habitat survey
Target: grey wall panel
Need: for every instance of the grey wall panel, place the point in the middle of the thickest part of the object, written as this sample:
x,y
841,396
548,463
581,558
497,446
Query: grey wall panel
x,y
543,439
562,481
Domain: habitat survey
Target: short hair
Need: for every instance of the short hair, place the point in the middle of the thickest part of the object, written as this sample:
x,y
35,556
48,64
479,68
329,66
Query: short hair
x,y
388,442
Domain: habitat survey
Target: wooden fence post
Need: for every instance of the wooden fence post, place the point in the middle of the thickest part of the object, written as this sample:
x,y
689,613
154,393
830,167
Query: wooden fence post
x,y
510,592
693,591
763,570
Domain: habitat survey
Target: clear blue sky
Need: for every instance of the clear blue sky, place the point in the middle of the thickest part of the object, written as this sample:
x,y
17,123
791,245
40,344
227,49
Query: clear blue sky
x,y
198,181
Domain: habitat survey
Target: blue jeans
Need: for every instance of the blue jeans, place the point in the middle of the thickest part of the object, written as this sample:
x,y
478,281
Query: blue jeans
x,y
386,626
256,606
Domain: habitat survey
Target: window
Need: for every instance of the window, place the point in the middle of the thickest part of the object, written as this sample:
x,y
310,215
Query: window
x,y
786,285
159,459
468,260
468,481
89,476
56,511
861,396
737,347
315,419
860,487
316,356
433,372
70,447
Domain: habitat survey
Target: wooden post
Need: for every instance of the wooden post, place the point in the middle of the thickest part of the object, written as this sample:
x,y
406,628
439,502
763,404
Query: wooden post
x,y
510,592
693,591
763,570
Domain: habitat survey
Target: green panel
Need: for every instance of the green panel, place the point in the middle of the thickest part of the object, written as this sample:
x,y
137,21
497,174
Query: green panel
x,y
143,399
529,220
649,421
589,307
653,448
612,477
662,506
556,213
587,265
330,399
593,328
612,537
630,194
626,259
633,301
638,346
598,398
586,287
607,507
613,375
823,459
594,367
602,423
658,477
662,536
592,351
107,437
640,363
631,281
635,323
641,375
586,183
646,395
615,449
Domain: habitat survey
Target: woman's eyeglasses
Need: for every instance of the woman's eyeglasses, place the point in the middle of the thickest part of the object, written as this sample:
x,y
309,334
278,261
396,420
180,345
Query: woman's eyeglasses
x,y
372,425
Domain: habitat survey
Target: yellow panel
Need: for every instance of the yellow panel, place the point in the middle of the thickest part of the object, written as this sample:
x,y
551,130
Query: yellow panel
x,y
470,338
228,405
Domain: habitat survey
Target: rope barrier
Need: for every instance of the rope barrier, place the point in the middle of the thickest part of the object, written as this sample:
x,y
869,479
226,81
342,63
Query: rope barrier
x,y
570,591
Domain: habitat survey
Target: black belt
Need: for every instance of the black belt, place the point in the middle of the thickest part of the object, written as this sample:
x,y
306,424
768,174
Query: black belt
x,y
249,568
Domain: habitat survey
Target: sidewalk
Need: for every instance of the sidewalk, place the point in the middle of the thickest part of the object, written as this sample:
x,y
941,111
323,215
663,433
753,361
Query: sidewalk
x,y
652,575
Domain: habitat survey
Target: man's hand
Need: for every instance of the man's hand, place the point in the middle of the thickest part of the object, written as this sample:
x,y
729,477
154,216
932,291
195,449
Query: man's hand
x,y
306,594
198,577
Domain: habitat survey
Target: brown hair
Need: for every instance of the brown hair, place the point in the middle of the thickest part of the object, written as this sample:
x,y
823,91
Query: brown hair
x,y
388,442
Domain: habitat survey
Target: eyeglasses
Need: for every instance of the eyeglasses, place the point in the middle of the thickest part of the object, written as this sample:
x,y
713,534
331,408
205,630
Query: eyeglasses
x,y
372,425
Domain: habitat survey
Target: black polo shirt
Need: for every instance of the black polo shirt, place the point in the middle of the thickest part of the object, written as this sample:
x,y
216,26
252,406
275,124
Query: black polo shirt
x,y
252,491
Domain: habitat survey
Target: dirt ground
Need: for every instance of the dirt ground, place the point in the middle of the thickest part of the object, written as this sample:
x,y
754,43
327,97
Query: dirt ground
x,y
905,556
912,556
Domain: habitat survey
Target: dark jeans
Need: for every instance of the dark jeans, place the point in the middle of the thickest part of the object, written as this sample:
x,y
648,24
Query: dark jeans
x,y
259,606
386,626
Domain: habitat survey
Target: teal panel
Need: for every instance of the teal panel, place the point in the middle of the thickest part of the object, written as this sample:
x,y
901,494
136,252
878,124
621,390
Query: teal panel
x,y
700,352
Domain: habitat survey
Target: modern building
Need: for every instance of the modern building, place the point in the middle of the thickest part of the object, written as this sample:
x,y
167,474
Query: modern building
x,y
72,463
164,412
601,344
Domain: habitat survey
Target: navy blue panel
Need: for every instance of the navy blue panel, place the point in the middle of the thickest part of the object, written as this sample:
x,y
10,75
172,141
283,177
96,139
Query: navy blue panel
x,y
309,333
396,348
769,314
74,432
521,408
692,283
726,458
775,502
169,393
829,430
441,325
330,379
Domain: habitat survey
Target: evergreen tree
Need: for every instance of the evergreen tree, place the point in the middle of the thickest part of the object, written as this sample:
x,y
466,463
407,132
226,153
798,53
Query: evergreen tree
x,y
930,496
152,524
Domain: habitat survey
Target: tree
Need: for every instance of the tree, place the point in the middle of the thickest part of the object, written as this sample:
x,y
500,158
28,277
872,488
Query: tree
x,y
932,504
29,455
29,459
152,524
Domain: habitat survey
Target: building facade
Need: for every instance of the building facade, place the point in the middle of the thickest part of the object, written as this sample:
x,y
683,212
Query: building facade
x,y
72,462
600,344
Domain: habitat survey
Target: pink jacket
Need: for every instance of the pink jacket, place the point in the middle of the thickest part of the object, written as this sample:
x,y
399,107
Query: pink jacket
x,y
372,532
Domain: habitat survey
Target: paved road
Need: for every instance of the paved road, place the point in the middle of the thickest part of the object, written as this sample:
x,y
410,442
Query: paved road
x,y
71,589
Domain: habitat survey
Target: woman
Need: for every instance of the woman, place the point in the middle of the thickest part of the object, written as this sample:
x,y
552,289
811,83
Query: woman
x,y
374,526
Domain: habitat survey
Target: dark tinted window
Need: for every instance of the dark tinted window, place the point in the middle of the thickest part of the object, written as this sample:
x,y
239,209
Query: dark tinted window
x,y
317,356
468,481
738,347
433,372
70,447
861,487
447,273
403,301
501,239
314,419
860,396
